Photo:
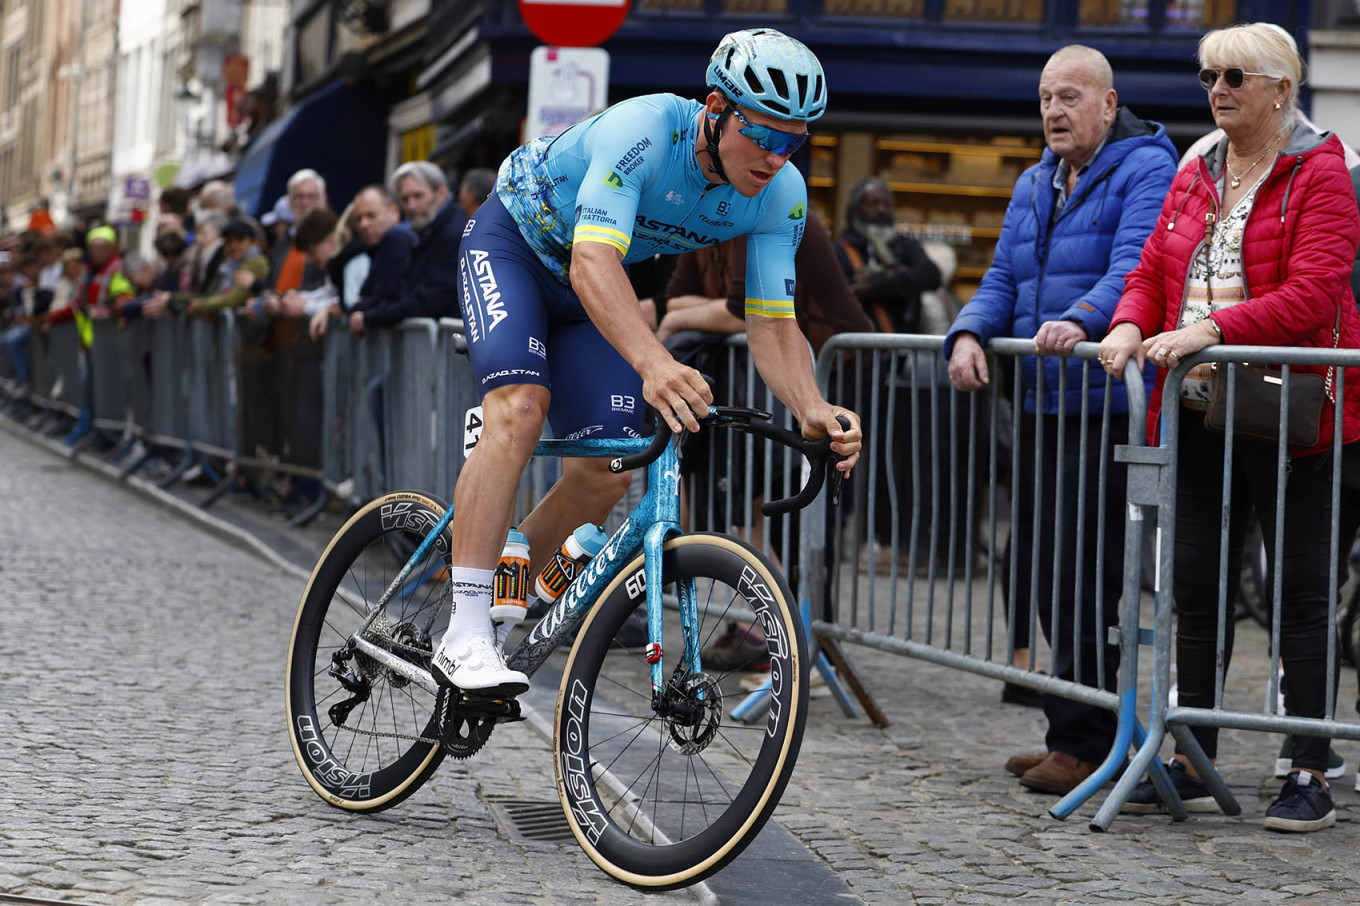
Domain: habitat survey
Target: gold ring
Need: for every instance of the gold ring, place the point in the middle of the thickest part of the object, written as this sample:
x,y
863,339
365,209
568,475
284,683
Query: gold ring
x,y
1164,352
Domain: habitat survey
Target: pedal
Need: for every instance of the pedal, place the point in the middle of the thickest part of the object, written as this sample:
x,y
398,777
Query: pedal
x,y
501,709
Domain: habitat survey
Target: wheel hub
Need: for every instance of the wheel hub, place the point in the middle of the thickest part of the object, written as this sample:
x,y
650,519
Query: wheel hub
x,y
693,711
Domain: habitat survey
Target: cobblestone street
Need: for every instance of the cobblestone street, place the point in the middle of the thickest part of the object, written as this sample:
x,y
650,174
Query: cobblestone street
x,y
141,696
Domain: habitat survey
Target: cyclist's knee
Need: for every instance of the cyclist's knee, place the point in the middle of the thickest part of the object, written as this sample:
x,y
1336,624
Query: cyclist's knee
x,y
516,413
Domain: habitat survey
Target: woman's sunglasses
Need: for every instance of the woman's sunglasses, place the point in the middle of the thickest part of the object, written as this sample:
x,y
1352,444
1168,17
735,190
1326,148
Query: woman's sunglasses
x,y
771,140
1233,77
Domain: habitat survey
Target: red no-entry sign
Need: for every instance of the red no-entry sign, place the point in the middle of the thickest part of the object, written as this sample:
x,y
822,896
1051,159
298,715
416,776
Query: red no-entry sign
x,y
573,23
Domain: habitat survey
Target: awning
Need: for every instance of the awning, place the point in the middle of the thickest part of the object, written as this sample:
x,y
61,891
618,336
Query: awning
x,y
340,131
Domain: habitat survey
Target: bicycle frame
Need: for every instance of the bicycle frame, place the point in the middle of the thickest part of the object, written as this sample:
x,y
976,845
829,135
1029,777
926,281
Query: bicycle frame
x,y
655,518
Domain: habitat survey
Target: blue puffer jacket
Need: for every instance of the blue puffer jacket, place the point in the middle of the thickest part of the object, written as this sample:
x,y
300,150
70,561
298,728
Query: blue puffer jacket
x,y
1073,269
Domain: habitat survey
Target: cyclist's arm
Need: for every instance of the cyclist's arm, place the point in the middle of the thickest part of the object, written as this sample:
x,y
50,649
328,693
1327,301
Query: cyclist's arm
x,y
674,390
780,350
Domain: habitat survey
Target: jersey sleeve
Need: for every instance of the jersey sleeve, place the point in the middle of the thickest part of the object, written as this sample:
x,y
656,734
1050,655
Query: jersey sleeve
x,y
626,152
771,246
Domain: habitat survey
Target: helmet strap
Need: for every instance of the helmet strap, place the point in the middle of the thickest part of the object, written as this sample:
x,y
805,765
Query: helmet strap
x,y
712,135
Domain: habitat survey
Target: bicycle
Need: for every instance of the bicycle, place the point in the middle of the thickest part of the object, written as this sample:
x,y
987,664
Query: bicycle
x,y
660,786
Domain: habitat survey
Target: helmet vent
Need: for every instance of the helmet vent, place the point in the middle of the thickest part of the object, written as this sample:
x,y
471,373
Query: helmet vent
x,y
777,107
781,85
817,93
802,97
731,52
752,81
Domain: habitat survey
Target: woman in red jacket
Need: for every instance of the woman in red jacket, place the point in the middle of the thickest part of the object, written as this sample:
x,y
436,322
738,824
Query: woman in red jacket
x,y
1253,247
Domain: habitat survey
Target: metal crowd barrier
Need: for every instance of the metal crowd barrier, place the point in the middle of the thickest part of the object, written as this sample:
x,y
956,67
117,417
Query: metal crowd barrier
x,y
1156,479
913,562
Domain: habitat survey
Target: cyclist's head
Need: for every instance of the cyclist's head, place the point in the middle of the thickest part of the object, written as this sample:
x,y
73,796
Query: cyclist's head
x,y
767,71
757,75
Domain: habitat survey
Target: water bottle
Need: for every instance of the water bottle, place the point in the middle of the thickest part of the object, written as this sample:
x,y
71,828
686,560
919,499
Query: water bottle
x,y
580,547
510,585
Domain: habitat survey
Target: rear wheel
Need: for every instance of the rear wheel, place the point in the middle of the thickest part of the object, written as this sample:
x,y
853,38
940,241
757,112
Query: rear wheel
x,y
664,791
365,736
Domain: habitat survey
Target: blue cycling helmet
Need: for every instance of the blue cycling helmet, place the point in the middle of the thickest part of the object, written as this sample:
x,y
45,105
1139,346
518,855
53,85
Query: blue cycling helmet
x,y
768,71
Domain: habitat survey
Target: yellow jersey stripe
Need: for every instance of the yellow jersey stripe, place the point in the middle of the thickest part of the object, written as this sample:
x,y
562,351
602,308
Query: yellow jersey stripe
x,y
769,308
605,240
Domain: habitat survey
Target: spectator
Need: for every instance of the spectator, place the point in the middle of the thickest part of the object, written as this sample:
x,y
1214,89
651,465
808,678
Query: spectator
x,y
1288,228
217,195
102,263
316,239
24,303
348,268
206,254
476,185
174,252
240,254
1074,227
430,288
133,287
887,270
287,263
388,242
172,210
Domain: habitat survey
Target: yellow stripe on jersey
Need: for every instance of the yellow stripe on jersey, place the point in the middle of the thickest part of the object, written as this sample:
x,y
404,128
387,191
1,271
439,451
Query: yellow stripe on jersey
x,y
590,232
770,308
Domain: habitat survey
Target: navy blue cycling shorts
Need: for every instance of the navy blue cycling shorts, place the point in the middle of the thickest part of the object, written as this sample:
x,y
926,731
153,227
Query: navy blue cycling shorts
x,y
524,327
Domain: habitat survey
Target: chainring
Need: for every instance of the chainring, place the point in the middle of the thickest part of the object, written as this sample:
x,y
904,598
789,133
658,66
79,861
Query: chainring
x,y
465,720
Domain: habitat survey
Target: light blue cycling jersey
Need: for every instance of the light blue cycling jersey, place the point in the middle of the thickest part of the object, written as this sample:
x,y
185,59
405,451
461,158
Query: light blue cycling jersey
x,y
629,177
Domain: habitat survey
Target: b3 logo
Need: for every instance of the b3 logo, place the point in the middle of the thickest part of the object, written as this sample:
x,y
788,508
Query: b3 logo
x,y
537,348
620,403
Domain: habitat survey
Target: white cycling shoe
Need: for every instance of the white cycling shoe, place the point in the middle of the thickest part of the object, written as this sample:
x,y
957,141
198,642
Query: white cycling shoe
x,y
475,664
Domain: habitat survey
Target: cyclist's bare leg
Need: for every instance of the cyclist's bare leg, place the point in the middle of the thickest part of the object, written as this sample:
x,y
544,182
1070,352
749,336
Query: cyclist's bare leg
x,y
483,500
586,492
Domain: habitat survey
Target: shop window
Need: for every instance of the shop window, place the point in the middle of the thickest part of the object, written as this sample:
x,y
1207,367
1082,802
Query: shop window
x,y
897,9
1112,13
418,143
1025,11
775,7
669,6
1199,15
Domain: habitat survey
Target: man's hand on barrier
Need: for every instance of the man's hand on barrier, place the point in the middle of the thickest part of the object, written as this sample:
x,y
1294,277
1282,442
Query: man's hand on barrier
x,y
155,306
1121,343
968,363
1058,337
676,391
292,305
820,420
321,320
243,279
356,324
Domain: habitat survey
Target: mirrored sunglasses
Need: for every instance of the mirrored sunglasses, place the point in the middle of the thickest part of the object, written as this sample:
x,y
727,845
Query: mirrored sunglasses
x,y
771,140
1233,77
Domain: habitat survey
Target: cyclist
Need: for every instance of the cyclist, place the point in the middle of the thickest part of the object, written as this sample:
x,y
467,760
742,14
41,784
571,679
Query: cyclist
x,y
554,329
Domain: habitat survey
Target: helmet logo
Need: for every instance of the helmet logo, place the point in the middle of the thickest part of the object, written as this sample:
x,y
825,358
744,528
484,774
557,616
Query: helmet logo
x,y
798,212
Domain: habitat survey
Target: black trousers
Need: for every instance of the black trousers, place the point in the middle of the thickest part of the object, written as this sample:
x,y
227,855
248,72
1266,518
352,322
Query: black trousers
x,y
1304,596
1066,542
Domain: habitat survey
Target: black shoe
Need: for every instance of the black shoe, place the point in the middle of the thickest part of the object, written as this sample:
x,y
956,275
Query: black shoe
x,y
1015,694
1194,794
1303,805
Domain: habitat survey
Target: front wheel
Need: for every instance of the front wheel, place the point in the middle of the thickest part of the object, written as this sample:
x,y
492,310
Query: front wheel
x,y
662,791
365,736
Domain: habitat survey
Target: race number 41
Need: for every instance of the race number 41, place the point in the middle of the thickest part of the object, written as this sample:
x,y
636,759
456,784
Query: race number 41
x,y
472,429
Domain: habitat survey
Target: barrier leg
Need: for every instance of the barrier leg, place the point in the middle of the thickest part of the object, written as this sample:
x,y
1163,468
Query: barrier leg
x,y
1112,765
188,459
1208,774
222,489
311,512
846,674
137,462
748,709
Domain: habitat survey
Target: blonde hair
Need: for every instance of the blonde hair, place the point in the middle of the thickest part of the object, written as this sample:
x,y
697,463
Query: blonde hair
x,y
1257,47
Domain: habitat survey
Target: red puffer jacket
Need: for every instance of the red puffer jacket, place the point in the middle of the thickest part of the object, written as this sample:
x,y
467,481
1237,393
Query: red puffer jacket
x,y
1298,250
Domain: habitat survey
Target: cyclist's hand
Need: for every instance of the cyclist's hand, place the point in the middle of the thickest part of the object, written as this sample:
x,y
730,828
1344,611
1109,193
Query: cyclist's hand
x,y
821,421
677,392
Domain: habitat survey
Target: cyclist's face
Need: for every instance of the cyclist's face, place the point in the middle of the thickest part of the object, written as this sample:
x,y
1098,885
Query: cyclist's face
x,y
748,166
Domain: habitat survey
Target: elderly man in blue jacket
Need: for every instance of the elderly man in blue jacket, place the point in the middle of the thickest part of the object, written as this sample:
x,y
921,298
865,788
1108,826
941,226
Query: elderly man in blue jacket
x,y
1075,226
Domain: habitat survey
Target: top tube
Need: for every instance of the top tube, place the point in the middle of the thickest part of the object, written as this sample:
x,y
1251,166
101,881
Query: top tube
x,y
593,446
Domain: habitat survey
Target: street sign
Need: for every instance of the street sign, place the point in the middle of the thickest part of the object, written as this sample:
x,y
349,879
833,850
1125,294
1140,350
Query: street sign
x,y
566,85
573,23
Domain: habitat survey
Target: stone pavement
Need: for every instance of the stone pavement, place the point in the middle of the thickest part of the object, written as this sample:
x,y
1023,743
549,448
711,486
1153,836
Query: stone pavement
x,y
140,688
